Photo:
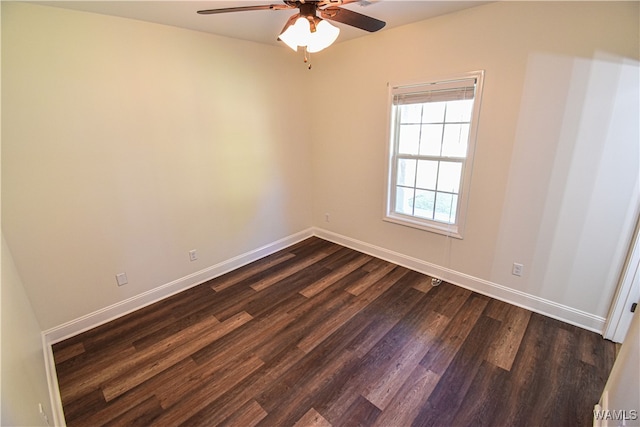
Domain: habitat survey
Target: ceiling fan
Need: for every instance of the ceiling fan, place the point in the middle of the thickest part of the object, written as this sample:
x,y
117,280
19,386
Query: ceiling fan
x,y
305,28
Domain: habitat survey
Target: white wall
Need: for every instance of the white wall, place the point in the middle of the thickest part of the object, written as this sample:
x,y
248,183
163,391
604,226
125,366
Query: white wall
x,y
24,381
126,144
557,165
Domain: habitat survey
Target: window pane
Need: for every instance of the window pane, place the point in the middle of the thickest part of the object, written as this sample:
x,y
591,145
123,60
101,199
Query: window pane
x,y
423,204
406,172
445,209
409,139
433,112
404,200
411,113
430,127
427,173
431,140
454,143
449,177
459,111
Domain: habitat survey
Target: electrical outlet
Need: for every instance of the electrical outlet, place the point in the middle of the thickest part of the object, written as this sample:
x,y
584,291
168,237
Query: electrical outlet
x,y
121,278
43,414
193,255
517,269
327,217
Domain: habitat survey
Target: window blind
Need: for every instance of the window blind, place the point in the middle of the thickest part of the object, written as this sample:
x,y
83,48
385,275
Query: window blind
x,y
435,92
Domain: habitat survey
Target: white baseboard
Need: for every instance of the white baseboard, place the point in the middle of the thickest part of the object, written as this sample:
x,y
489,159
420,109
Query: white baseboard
x,y
107,314
536,304
521,299
531,302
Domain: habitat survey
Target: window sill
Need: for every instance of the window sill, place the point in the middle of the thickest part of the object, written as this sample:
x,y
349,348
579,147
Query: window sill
x,y
431,226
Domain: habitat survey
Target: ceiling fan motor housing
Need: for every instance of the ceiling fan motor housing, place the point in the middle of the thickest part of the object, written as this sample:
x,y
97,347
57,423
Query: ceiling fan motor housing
x,y
308,11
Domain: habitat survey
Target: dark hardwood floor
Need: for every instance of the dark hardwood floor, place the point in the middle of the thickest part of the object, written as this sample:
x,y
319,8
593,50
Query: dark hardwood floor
x,y
321,335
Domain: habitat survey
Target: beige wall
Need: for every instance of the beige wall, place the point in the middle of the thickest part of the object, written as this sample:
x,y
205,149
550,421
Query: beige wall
x,y
126,144
555,176
24,381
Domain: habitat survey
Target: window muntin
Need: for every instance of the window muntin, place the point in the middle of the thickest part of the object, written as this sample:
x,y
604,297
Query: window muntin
x,y
432,139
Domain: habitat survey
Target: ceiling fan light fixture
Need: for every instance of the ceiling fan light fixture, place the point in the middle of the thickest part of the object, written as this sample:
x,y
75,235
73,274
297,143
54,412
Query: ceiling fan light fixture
x,y
315,35
324,36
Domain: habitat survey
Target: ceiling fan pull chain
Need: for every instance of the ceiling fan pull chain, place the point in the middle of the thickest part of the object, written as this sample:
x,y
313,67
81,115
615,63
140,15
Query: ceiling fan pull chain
x,y
307,57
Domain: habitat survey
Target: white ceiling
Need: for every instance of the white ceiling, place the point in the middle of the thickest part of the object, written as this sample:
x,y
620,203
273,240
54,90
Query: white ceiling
x,y
262,26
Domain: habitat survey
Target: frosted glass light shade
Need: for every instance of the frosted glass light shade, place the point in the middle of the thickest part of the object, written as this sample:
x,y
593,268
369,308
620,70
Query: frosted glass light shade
x,y
299,34
324,36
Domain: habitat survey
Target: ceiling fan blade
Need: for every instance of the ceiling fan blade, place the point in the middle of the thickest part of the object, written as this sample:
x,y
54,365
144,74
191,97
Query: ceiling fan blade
x,y
245,8
352,18
290,22
335,3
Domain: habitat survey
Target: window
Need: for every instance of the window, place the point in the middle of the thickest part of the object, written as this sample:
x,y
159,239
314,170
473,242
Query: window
x,y
432,138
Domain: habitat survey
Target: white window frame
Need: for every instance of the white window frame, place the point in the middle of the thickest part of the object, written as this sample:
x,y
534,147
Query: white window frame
x,y
455,229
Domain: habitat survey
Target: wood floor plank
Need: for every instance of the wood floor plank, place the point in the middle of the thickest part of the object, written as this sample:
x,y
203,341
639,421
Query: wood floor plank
x,y
89,376
514,323
293,268
359,286
425,284
345,313
300,385
171,390
205,392
325,282
68,352
89,403
345,386
382,390
330,348
446,347
311,246
120,331
360,413
238,342
312,419
380,360
167,353
320,334
405,405
239,275
152,321
549,410
450,392
260,303
113,409
139,415
484,400
201,311
454,301
247,416
301,322
530,371
395,306
218,410
375,264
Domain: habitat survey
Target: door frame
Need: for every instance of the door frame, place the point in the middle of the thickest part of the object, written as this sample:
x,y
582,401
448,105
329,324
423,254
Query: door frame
x,y
619,319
